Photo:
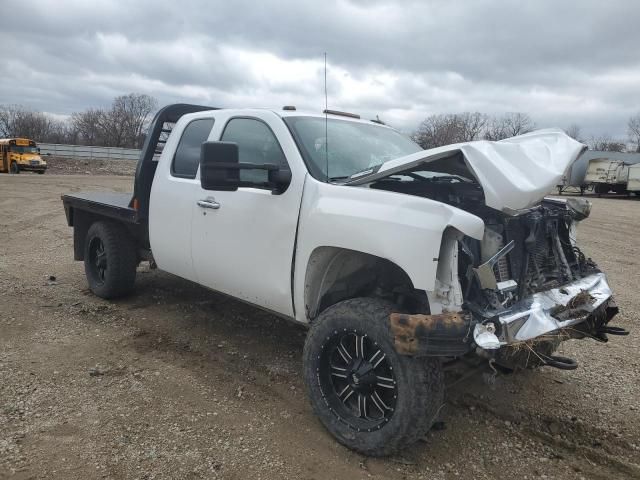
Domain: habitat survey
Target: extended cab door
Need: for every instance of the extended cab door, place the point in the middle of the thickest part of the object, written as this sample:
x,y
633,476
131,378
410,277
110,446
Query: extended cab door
x,y
244,245
172,195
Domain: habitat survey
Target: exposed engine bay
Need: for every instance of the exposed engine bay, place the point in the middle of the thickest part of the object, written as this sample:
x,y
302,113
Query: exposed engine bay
x,y
543,254
526,280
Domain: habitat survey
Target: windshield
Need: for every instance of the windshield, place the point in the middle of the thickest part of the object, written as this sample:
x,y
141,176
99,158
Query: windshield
x,y
17,149
352,147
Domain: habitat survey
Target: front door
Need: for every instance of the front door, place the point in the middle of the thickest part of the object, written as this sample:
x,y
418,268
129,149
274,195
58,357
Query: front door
x,y
243,241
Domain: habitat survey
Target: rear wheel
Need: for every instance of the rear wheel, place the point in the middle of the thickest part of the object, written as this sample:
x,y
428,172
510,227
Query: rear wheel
x,y
370,398
14,168
110,260
40,172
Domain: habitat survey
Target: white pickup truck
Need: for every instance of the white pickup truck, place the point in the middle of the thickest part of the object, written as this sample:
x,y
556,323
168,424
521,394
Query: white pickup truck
x,y
401,260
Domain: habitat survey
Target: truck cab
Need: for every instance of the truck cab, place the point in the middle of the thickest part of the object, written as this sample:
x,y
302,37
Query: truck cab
x,y
397,258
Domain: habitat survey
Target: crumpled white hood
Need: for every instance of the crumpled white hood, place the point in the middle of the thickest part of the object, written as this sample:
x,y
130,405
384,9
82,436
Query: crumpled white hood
x,y
515,173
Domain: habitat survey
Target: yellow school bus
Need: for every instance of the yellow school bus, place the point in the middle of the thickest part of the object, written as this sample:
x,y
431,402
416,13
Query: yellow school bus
x,y
20,154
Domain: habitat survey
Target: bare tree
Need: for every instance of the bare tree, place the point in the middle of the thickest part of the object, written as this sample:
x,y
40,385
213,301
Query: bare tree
x,y
35,125
508,125
133,111
518,123
8,114
61,131
495,130
18,121
88,127
445,129
574,131
122,125
471,125
434,131
606,143
633,127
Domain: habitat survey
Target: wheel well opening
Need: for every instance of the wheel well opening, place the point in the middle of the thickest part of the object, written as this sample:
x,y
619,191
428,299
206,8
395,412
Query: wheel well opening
x,y
335,274
82,221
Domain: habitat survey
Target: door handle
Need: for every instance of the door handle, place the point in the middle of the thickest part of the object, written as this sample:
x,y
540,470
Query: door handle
x,y
209,203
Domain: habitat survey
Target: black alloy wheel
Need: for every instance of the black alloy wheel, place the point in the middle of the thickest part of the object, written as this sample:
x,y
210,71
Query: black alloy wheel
x,y
357,380
368,396
98,258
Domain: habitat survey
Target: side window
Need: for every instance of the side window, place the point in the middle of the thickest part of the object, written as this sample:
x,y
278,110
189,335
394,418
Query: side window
x,y
256,144
187,156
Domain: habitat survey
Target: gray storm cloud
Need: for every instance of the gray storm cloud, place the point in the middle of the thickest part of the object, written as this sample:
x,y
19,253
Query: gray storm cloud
x,y
562,62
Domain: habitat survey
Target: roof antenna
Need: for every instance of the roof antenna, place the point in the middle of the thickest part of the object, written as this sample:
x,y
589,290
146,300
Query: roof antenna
x,y
326,121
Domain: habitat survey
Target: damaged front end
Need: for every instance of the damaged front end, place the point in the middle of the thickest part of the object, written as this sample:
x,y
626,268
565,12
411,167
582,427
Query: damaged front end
x,y
524,288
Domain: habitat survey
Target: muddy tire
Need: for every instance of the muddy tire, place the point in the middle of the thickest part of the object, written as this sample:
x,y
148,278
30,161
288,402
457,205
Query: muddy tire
x,y
371,399
110,260
14,168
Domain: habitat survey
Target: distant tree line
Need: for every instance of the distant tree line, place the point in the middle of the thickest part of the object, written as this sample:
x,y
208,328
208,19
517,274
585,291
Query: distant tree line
x,y
123,124
445,129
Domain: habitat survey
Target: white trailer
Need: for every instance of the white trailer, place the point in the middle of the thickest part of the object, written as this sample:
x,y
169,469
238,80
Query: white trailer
x,y
574,181
633,183
607,175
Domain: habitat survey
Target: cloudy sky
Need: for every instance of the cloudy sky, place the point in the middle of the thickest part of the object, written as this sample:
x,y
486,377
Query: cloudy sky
x,y
562,62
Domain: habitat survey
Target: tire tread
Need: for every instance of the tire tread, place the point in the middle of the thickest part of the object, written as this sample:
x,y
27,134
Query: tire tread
x,y
121,256
424,375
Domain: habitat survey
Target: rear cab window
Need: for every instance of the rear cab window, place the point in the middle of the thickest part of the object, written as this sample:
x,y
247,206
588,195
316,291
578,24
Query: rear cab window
x,y
187,156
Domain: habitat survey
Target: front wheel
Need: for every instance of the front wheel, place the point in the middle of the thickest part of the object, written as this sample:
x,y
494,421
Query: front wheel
x,y
370,398
110,260
15,168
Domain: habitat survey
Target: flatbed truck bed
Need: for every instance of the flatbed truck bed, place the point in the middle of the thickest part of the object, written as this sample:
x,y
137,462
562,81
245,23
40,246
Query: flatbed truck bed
x,y
114,205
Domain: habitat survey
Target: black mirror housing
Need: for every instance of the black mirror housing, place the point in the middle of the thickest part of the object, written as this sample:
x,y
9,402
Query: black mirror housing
x,y
219,166
280,179
220,170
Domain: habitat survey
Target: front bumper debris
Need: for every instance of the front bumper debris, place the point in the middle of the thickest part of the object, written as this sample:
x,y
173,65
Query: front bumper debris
x,y
576,310
444,334
546,312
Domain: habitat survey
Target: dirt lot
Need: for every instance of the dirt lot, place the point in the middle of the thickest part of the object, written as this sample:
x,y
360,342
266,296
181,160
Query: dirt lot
x,y
76,166
179,382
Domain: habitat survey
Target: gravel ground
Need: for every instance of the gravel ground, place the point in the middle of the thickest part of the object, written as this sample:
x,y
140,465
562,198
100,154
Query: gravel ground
x,y
178,382
75,166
